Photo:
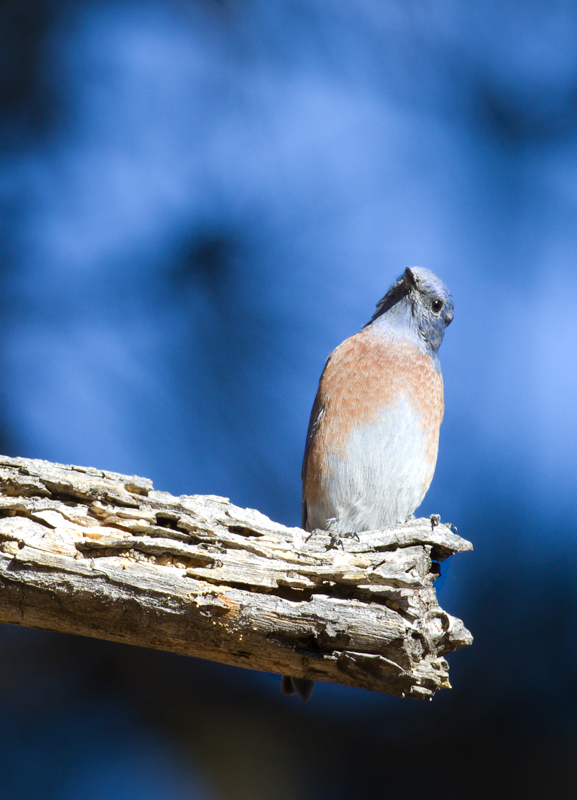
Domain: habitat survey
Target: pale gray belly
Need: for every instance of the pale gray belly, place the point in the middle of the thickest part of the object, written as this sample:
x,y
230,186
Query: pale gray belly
x,y
380,480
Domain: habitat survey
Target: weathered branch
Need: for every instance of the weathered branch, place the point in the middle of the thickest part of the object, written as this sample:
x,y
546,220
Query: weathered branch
x,y
101,554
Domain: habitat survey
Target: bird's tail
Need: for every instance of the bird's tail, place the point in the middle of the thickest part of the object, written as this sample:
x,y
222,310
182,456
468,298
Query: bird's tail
x,y
299,686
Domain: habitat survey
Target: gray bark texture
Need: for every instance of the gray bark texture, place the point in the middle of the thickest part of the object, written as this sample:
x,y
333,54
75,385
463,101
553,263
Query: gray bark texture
x,y
105,555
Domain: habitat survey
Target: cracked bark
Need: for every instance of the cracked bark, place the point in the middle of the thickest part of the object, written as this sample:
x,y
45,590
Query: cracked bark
x,y
105,555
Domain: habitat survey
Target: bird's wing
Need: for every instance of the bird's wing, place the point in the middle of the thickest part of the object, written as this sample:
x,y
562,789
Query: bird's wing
x,y
315,418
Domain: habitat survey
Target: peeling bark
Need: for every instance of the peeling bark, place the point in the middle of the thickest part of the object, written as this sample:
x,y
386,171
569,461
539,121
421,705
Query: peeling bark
x,y
105,555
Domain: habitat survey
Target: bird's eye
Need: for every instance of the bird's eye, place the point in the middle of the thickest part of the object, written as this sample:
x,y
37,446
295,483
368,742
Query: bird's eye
x,y
437,305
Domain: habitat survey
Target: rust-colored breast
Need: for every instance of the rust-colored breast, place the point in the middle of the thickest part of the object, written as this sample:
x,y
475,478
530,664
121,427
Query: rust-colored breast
x,y
364,376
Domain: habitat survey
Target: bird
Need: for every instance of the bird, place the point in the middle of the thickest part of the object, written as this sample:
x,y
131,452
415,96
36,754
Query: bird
x,y
373,435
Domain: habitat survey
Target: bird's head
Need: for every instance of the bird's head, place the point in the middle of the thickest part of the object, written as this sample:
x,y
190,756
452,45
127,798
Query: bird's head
x,y
423,300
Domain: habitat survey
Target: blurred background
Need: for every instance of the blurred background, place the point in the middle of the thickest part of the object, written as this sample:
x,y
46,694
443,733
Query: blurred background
x,y
199,201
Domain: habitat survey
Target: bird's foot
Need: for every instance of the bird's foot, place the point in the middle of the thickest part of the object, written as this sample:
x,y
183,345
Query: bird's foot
x,y
337,537
436,520
313,532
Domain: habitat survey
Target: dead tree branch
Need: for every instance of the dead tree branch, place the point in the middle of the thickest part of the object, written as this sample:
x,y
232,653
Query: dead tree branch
x,y
105,555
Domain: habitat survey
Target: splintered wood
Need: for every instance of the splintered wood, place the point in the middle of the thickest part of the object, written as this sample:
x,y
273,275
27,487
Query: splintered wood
x,y
105,555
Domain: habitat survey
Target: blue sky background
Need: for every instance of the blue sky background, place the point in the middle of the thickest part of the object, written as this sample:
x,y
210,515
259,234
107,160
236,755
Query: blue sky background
x,y
199,202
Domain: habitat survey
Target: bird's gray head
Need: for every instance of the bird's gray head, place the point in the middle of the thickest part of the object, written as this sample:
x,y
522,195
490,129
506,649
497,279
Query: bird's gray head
x,y
421,300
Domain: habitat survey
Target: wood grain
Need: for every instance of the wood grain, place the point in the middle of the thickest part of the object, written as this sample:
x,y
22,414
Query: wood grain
x,y
100,554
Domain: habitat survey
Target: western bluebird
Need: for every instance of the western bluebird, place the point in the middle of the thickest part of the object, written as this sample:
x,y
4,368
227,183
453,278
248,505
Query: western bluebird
x,y
373,434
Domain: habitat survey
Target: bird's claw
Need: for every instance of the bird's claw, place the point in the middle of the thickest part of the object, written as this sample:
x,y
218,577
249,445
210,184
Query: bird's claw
x,y
436,520
337,538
